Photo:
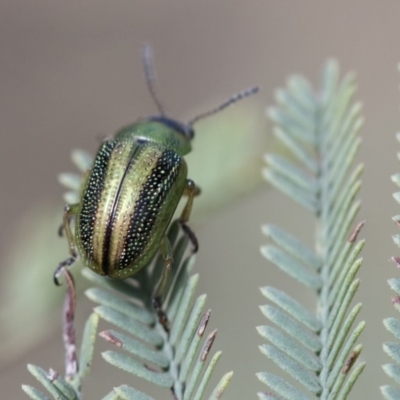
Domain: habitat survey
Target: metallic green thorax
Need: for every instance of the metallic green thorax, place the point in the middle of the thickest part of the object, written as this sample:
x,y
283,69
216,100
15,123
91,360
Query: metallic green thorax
x,y
129,197
158,134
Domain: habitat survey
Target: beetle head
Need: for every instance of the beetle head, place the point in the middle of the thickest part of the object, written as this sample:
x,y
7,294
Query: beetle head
x,y
185,129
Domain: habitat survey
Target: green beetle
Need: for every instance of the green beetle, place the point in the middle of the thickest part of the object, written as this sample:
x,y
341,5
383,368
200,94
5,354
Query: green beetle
x,y
131,193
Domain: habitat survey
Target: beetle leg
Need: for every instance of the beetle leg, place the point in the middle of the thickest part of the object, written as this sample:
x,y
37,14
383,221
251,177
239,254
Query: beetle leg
x,y
64,264
69,212
61,230
191,190
166,252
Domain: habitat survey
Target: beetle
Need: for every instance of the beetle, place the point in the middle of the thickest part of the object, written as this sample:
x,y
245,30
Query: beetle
x,y
131,192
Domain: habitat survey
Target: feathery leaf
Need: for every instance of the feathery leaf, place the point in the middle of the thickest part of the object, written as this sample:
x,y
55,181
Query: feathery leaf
x,y
321,132
393,324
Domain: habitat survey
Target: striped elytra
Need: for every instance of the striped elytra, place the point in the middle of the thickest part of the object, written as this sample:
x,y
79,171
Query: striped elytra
x,y
130,195
129,198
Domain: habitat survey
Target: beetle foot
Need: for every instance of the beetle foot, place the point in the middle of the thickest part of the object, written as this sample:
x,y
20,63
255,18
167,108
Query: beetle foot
x,y
191,235
162,317
65,264
61,230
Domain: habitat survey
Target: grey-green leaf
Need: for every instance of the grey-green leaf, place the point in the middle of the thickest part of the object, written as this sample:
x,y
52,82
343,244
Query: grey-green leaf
x,y
206,377
291,327
293,368
129,324
292,246
292,307
321,130
44,379
221,386
33,393
393,350
292,172
390,393
394,284
302,154
134,367
282,387
393,326
291,267
128,393
183,309
290,346
87,346
106,298
187,338
136,348
393,371
291,189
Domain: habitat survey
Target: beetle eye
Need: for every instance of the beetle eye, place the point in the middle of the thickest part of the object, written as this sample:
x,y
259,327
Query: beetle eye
x,y
184,129
189,132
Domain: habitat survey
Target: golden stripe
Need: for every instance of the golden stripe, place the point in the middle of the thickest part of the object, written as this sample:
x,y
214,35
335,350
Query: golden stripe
x,y
116,167
140,170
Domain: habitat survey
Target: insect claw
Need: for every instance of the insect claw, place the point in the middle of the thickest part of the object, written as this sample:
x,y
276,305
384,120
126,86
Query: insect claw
x,y
62,267
162,317
56,280
192,237
61,231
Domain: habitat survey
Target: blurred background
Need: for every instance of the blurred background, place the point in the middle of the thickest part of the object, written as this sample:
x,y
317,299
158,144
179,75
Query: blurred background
x,y
70,73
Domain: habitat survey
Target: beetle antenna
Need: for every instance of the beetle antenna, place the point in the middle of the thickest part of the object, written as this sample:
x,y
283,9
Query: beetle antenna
x,y
235,98
148,66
